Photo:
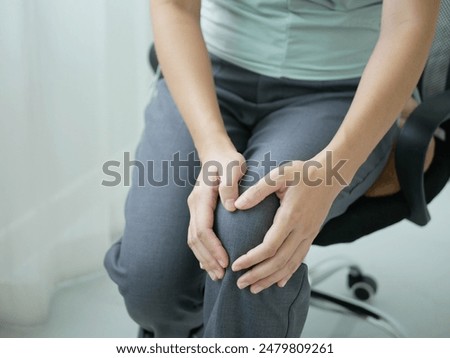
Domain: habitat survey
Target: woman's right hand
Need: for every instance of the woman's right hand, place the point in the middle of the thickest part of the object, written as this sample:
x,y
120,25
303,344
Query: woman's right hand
x,y
219,177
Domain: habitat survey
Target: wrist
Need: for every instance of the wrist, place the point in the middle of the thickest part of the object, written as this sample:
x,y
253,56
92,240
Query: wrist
x,y
212,145
338,166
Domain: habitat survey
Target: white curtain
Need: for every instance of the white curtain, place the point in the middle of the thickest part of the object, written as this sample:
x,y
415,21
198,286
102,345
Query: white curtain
x,y
74,82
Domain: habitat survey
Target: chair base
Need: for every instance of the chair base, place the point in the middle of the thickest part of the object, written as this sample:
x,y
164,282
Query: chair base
x,y
347,305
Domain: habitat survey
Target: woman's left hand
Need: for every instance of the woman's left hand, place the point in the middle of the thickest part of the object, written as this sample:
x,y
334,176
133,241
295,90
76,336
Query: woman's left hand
x,y
305,200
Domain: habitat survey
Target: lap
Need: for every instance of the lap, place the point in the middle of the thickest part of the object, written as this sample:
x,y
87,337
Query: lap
x,y
154,241
297,131
157,216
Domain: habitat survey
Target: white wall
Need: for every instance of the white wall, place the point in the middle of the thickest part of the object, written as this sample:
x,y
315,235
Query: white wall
x,y
74,83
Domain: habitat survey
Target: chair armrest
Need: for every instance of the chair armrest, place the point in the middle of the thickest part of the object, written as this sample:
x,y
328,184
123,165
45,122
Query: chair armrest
x,y
411,149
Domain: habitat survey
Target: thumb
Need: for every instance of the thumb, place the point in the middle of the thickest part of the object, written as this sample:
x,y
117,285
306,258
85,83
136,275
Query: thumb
x,y
267,185
229,184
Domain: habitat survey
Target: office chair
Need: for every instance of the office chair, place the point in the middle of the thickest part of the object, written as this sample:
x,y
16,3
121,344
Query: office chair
x,y
411,192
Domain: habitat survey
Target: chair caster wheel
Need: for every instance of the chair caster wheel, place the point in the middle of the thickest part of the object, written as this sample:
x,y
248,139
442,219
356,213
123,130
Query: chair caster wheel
x,y
362,286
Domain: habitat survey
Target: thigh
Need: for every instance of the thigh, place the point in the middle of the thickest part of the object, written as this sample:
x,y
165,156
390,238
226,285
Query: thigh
x,y
153,245
298,132
305,127
154,242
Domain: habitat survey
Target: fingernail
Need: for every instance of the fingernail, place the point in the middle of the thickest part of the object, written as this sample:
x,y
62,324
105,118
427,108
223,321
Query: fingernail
x,y
239,202
236,267
242,284
218,274
256,289
229,205
222,263
213,276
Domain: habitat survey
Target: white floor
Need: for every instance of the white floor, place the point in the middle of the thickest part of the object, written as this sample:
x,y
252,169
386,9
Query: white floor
x,y
411,265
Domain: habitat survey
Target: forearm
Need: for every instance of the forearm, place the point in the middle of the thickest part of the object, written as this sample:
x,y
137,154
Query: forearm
x,y
187,69
389,79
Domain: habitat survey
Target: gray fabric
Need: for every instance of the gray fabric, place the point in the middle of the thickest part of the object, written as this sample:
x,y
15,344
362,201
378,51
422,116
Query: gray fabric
x,y
164,289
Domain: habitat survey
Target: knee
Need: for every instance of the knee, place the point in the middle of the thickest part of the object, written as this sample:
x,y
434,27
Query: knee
x,y
241,231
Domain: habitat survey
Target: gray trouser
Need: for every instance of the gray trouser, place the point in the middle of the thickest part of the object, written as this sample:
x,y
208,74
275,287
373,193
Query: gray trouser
x,y
164,289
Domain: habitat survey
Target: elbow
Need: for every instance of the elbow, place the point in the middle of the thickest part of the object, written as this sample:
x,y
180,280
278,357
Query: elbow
x,y
414,22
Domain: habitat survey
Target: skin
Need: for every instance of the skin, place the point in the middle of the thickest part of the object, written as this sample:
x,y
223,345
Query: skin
x,y
390,76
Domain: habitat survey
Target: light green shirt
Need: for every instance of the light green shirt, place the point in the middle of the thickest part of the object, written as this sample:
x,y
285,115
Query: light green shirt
x,y
299,39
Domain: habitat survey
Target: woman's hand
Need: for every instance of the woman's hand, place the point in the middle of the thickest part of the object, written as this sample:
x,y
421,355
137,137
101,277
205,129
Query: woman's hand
x,y
305,199
219,176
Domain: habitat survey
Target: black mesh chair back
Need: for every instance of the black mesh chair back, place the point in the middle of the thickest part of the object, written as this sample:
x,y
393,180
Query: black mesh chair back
x,y
436,77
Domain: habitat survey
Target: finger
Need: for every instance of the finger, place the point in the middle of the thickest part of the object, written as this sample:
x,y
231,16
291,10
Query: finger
x,y
207,262
204,222
272,265
261,190
273,240
289,270
193,246
284,280
205,259
229,184
202,206
268,281
214,247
